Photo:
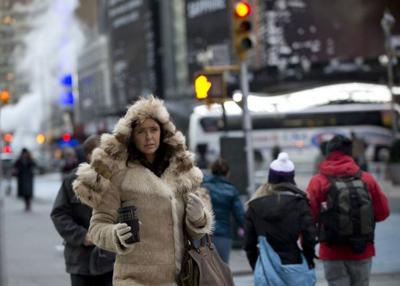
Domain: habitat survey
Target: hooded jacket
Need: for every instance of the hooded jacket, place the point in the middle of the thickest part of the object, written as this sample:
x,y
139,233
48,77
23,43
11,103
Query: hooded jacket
x,y
108,182
282,217
337,164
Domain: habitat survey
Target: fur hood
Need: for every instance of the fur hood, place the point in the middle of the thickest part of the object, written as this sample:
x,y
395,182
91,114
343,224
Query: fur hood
x,y
110,157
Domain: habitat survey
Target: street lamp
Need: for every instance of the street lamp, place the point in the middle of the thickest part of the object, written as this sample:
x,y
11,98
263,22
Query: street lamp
x,y
387,23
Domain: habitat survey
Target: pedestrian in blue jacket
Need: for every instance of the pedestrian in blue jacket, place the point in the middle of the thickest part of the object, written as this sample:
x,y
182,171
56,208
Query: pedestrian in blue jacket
x,y
225,201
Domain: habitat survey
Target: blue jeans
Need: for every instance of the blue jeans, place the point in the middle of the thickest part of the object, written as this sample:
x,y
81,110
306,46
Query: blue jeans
x,y
348,272
223,246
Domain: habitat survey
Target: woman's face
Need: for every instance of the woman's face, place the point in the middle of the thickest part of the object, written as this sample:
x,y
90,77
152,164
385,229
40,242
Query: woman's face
x,y
146,137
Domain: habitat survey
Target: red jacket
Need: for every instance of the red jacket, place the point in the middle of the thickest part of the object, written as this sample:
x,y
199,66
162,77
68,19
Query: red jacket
x,y
339,164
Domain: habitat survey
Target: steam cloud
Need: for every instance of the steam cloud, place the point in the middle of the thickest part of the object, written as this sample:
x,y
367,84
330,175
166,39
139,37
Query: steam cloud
x,y
51,50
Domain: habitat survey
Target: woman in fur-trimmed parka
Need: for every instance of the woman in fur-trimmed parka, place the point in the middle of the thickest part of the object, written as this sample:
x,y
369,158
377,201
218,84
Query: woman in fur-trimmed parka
x,y
144,163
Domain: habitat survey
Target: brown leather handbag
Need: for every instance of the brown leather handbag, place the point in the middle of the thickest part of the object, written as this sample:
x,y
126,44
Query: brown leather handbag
x,y
202,266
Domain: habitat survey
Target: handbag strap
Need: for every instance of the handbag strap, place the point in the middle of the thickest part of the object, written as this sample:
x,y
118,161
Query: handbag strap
x,y
204,241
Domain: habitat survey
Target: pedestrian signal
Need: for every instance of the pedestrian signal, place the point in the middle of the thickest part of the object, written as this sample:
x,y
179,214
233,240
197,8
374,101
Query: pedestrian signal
x,y
210,86
242,28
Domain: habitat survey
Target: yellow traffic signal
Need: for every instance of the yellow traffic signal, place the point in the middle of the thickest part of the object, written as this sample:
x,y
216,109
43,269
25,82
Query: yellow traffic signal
x,y
209,86
242,29
40,138
4,96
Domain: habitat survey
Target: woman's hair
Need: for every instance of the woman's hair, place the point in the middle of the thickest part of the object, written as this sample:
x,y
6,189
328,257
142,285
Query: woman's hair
x,y
220,167
163,153
268,189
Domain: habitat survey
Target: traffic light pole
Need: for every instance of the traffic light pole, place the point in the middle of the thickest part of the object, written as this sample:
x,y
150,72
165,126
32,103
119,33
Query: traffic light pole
x,y
1,204
247,128
387,23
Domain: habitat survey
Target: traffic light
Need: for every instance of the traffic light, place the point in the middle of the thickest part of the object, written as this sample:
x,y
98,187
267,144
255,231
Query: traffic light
x,y
242,28
40,138
8,137
209,86
7,140
66,137
7,149
4,96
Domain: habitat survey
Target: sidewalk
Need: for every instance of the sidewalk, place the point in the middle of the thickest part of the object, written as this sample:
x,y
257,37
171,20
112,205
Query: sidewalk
x,y
32,253
243,275
376,280
29,240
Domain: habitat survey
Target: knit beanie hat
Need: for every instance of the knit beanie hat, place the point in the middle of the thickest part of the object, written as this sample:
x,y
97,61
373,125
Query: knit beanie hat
x,y
281,170
339,143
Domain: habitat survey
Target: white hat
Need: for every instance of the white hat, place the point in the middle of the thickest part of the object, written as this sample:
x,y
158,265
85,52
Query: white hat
x,y
281,170
282,163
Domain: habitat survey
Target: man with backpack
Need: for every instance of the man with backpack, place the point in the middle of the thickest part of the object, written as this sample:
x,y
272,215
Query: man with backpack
x,y
345,202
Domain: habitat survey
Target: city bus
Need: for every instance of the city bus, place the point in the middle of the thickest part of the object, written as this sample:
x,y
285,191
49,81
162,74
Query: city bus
x,y
298,125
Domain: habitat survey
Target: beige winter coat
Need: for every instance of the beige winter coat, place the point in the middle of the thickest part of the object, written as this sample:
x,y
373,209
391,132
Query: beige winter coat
x,y
160,201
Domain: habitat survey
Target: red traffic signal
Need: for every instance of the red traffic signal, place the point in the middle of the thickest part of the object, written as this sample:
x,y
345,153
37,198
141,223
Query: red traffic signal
x,y
66,137
242,9
7,149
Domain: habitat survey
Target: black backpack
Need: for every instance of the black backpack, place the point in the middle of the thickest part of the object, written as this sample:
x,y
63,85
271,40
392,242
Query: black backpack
x,y
347,217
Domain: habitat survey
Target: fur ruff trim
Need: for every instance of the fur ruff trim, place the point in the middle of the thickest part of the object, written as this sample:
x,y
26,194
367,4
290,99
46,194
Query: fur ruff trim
x,y
110,157
112,146
90,186
115,145
141,110
177,235
103,163
185,182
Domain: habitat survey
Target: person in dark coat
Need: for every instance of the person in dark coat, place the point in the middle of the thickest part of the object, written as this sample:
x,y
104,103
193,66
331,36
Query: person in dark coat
x,y
23,170
280,211
225,202
70,162
87,264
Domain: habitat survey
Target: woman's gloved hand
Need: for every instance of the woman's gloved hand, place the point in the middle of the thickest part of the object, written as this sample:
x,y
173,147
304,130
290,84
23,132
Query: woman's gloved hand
x,y
123,232
194,208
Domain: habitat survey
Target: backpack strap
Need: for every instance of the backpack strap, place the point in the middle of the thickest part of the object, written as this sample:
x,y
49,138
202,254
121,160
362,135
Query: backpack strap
x,y
333,179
